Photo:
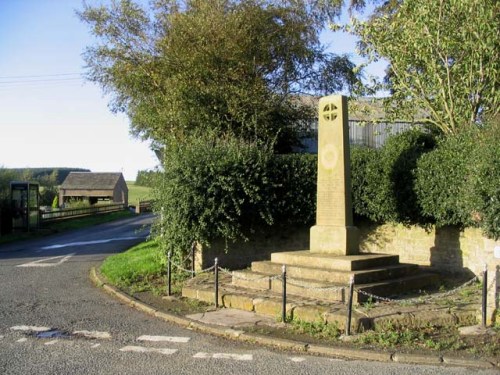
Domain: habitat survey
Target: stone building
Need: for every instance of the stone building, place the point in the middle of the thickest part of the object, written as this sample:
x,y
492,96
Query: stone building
x,y
94,187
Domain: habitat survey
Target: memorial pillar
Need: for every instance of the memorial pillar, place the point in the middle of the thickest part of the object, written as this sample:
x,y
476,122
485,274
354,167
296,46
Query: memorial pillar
x,y
334,232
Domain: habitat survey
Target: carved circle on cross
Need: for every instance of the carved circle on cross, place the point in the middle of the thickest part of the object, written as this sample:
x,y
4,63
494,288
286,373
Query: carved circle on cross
x,y
330,112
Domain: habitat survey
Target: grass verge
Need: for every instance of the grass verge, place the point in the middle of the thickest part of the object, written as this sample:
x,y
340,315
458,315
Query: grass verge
x,y
137,268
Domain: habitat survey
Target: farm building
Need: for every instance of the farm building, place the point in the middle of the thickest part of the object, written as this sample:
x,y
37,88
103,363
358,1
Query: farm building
x,y
94,187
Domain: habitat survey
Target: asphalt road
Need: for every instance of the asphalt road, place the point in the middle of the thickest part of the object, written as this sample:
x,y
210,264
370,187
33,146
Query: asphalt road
x,y
54,321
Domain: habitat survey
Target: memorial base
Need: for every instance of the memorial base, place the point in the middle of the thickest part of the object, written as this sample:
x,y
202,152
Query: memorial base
x,y
334,240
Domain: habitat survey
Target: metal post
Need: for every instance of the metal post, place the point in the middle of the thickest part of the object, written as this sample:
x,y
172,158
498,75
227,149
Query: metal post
x,y
193,248
216,263
485,295
283,278
349,306
169,274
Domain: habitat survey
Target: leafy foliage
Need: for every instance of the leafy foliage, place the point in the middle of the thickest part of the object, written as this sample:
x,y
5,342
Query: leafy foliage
x,y
362,160
226,188
459,182
294,181
444,60
228,66
442,178
146,178
383,180
212,187
484,193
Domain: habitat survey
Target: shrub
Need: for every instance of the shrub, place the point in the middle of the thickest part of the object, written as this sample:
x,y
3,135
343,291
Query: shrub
x,y
55,202
294,185
385,189
459,182
146,178
362,160
484,191
442,177
212,187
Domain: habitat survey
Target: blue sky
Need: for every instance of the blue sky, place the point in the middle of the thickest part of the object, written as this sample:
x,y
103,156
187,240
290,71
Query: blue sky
x,y
51,117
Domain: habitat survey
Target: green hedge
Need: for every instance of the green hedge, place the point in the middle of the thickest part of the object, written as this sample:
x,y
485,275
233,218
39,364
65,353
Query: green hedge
x,y
225,188
442,179
484,194
383,180
459,182
213,188
363,168
294,181
146,178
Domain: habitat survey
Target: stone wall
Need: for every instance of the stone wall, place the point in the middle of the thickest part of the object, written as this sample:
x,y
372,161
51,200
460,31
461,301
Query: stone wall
x,y
445,250
241,254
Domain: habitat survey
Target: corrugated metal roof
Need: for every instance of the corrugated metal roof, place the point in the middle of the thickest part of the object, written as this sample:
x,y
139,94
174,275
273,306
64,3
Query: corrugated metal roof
x,y
91,181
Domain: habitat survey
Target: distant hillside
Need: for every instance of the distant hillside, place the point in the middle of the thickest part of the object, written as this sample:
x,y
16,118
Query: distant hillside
x,y
40,173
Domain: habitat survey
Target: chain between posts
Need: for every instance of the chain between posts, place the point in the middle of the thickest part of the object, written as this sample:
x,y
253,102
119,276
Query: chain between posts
x,y
351,287
419,299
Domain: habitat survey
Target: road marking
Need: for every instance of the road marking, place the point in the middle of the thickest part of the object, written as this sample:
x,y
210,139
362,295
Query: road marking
x,y
141,349
51,342
24,339
95,242
237,357
41,262
93,334
30,328
164,339
95,345
297,359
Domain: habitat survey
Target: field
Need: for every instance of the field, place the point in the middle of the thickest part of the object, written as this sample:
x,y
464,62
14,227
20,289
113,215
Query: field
x,y
136,193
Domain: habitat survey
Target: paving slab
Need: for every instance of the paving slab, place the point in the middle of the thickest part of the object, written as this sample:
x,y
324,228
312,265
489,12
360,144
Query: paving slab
x,y
232,318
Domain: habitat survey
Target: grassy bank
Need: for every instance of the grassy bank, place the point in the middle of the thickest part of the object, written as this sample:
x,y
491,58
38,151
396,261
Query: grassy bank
x,y
138,268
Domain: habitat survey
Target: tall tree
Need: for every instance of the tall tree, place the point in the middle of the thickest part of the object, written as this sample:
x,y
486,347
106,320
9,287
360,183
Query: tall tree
x,y
229,66
444,59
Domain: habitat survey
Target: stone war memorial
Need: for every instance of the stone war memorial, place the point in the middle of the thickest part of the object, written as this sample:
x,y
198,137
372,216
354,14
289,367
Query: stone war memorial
x,y
333,257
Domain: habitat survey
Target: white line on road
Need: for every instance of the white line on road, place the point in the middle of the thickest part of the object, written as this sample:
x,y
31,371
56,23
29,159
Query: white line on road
x,y
95,345
30,328
51,342
297,359
93,334
141,349
164,339
41,262
237,357
24,339
95,242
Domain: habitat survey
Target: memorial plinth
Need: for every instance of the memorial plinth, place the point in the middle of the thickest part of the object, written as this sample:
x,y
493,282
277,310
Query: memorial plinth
x,y
333,257
334,232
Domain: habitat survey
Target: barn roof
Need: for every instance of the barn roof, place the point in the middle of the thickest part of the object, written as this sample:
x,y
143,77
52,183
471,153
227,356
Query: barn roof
x,y
91,181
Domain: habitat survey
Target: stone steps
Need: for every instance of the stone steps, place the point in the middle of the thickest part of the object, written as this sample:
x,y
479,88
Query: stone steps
x,y
328,291
326,277
334,262
269,303
336,276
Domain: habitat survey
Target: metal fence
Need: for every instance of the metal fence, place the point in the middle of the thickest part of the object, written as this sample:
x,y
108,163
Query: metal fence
x,y
361,133
68,213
